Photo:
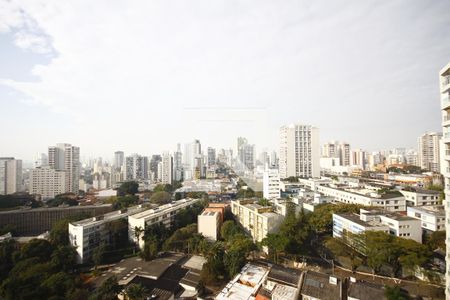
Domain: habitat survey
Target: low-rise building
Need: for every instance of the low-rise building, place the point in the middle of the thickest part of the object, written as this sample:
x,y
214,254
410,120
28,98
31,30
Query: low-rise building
x,y
318,286
209,224
88,234
390,201
420,197
257,220
164,215
432,217
344,225
363,290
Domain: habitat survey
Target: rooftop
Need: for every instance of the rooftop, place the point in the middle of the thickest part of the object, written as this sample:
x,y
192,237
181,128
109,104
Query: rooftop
x,y
318,285
284,275
114,215
365,290
162,208
435,210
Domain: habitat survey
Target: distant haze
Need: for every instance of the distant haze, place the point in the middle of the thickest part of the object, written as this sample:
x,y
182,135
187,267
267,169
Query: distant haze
x,y
140,76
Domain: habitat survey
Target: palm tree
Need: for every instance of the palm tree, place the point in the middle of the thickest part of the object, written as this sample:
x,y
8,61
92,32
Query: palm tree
x,y
137,234
136,292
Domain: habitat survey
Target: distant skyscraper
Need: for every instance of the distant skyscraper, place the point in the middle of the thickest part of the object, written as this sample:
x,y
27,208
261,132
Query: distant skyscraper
x,y
40,160
274,160
444,83
246,153
154,161
299,151
337,150
178,164
10,175
211,156
428,151
136,167
119,157
166,168
48,182
66,157
359,158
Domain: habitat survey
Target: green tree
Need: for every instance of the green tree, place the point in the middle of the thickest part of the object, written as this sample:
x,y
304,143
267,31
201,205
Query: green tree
x,y
436,240
276,243
7,250
394,293
41,249
160,198
99,254
108,290
151,248
59,234
229,229
136,292
138,231
128,188
58,285
321,220
63,258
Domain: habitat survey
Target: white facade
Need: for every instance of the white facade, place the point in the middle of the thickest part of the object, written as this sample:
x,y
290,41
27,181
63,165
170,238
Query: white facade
x,y
299,151
359,159
393,223
47,182
444,83
271,184
337,150
421,197
66,157
209,224
166,168
256,219
428,151
88,234
364,197
10,175
164,214
432,217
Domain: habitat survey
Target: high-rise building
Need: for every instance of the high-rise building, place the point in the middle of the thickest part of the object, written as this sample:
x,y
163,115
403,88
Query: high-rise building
x,y
339,150
166,168
211,156
66,157
47,182
10,175
119,158
246,153
154,161
444,83
136,167
299,151
274,160
178,164
359,159
271,184
40,160
428,151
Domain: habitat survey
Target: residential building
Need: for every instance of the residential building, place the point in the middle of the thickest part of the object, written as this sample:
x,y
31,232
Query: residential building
x,y
136,167
10,175
299,151
318,286
420,197
246,154
376,220
432,217
30,222
66,157
257,220
164,214
209,224
444,83
364,196
340,150
40,160
428,151
359,159
47,182
166,168
178,164
271,184
86,235
211,156
153,167
119,159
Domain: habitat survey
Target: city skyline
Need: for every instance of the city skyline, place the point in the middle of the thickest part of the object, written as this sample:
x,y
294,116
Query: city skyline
x,y
128,79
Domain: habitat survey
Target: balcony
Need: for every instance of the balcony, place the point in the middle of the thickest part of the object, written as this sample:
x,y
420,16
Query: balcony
x,y
445,84
445,102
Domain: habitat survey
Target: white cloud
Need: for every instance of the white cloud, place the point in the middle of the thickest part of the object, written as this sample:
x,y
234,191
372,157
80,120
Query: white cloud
x,y
133,66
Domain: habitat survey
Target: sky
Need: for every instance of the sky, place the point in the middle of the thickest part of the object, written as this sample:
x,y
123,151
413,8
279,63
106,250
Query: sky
x,y
142,76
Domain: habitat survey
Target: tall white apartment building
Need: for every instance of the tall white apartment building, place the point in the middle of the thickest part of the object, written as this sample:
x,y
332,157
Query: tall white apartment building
x,y
209,224
444,83
47,182
299,151
164,214
246,153
178,164
428,151
10,175
66,157
166,168
88,234
271,184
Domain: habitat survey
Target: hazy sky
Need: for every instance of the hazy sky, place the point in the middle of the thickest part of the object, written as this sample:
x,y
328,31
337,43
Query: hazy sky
x,y
140,76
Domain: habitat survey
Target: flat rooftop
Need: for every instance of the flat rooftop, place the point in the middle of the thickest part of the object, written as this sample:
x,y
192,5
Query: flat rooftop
x,y
355,218
41,209
435,210
163,208
318,285
111,216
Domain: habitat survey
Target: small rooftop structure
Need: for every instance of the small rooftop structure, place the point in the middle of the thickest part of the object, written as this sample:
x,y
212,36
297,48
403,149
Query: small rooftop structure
x,y
321,286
